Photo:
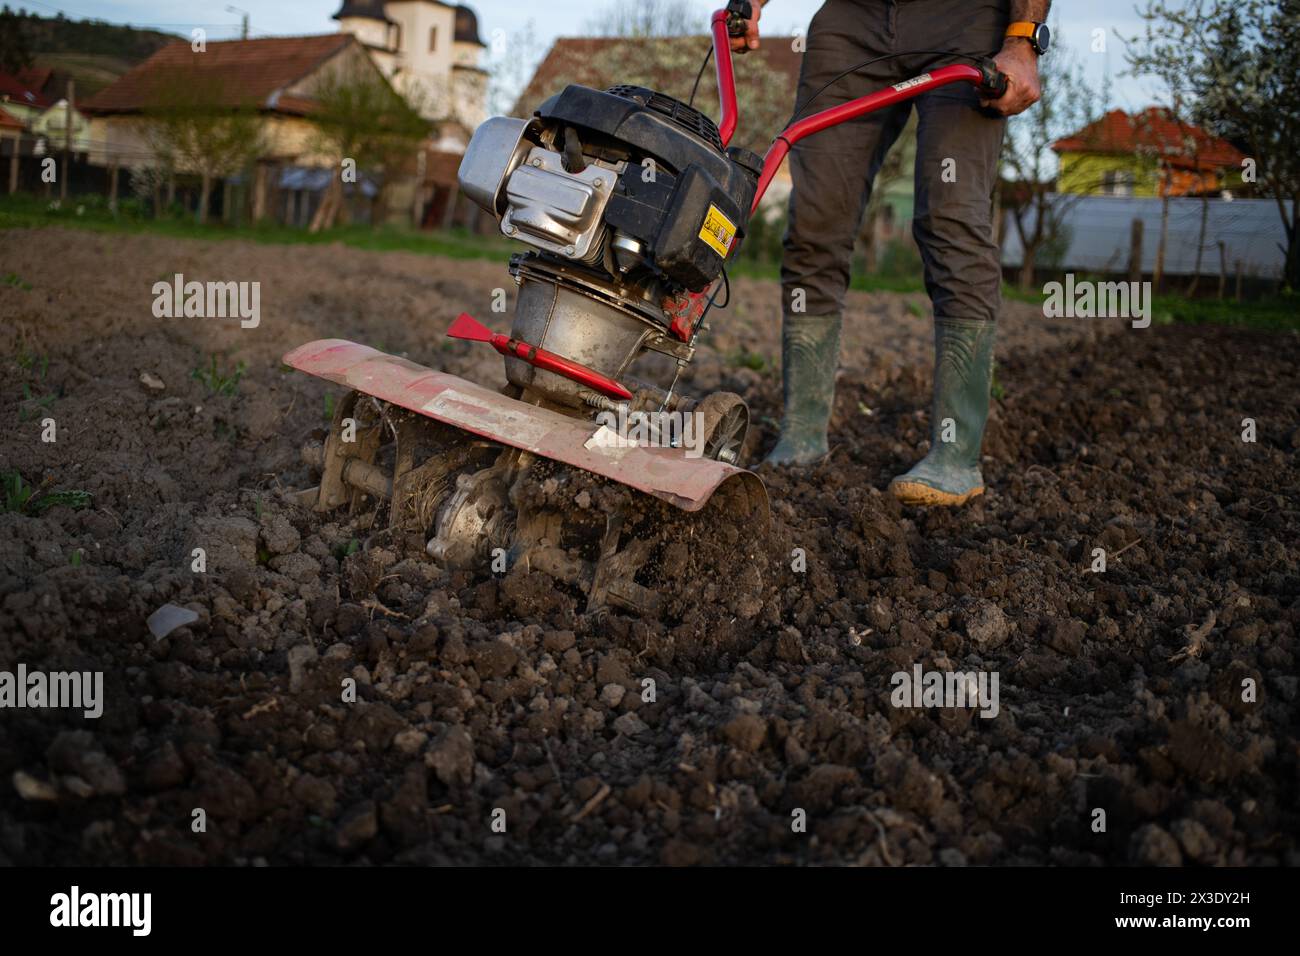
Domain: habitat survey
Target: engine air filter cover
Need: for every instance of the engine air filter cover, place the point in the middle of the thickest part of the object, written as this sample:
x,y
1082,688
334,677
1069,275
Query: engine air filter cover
x,y
687,117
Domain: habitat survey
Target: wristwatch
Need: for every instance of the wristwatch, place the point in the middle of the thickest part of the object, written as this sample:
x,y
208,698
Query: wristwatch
x,y
1036,33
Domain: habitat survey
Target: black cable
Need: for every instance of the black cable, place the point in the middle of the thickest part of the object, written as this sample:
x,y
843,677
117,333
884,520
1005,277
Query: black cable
x,y
800,110
699,324
699,75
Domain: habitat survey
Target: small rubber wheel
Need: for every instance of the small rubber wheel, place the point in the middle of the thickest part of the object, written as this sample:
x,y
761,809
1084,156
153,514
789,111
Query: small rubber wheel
x,y
726,421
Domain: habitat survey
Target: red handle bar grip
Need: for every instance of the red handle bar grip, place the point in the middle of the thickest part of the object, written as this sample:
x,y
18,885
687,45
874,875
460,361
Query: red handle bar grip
x,y
726,76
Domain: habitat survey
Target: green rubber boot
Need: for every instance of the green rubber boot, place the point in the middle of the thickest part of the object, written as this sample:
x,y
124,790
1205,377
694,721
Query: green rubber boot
x,y
810,354
963,367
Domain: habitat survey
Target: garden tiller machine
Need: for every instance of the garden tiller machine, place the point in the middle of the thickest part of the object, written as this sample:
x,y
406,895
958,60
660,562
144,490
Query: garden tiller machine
x,y
631,203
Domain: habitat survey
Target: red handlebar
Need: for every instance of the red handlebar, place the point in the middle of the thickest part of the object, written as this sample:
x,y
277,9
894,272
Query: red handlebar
x,y
726,76
943,76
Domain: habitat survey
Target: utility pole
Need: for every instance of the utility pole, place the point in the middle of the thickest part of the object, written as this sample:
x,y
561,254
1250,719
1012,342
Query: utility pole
x,y
243,33
417,205
67,140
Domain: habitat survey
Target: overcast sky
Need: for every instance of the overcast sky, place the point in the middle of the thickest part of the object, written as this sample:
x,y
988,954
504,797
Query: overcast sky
x,y
1076,22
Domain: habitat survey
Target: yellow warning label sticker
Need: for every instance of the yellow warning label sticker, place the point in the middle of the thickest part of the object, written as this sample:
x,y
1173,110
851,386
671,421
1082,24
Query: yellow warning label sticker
x,y
718,231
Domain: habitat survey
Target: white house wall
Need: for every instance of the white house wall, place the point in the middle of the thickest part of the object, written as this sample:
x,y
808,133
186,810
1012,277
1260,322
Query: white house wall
x,y
424,76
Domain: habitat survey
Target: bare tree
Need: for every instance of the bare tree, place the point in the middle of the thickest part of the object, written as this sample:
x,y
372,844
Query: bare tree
x,y
362,124
511,62
647,18
1031,200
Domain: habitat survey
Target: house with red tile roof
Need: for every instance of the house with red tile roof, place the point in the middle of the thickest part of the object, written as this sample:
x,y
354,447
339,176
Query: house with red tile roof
x,y
427,51
1149,153
26,94
275,79
26,99
274,76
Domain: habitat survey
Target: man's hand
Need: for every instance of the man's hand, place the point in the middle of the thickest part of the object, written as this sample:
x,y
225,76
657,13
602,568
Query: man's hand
x,y
1020,63
750,40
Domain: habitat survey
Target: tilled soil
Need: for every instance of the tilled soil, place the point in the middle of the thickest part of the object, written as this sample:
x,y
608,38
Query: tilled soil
x,y
759,698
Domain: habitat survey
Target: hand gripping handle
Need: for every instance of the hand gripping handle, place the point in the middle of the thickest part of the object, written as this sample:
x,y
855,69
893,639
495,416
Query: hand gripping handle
x,y
738,12
993,82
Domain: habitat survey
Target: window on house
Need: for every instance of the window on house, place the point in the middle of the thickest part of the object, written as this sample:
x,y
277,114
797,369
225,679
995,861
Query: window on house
x,y
433,39
1117,182
395,36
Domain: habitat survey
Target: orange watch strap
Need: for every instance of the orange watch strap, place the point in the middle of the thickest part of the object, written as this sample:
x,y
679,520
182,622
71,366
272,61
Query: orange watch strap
x,y
1021,28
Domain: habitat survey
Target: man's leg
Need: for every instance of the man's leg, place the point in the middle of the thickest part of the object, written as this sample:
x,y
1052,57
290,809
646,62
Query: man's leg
x,y
956,172
832,174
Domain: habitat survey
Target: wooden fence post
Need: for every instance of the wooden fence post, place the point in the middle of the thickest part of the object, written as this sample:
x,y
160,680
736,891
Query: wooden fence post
x,y
67,141
1223,267
1135,251
449,214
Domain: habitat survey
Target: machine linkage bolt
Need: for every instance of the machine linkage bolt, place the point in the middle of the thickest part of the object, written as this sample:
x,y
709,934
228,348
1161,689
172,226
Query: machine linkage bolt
x,y
537,161
598,182
569,250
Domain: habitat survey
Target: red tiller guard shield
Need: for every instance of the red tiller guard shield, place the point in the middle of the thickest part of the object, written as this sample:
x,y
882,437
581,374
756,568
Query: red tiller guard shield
x,y
666,473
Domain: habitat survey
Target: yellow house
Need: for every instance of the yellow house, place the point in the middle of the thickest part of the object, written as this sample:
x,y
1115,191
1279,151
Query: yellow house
x,y
1151,153
53,125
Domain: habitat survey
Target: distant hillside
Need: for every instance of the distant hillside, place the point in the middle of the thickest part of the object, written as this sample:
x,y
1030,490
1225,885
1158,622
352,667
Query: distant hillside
x,y
58,34
92,52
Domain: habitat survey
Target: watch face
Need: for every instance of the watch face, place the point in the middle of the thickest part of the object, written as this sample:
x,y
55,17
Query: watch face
x,y
1042,37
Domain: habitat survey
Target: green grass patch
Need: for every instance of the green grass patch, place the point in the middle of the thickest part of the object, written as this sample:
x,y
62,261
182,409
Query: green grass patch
x,y
92,213
31,406
219,382
40,364
346,549
1276,314
750,360
22,498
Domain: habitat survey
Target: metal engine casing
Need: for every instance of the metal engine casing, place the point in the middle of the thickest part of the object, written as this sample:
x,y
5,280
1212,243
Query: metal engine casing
x,y
590,167
626,197
534,199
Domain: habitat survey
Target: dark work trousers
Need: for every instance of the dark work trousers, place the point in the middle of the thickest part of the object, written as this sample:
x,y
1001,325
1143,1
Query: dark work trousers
x,y
833,170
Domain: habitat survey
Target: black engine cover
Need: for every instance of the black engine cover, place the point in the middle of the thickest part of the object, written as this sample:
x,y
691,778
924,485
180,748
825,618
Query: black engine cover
x,y
694,205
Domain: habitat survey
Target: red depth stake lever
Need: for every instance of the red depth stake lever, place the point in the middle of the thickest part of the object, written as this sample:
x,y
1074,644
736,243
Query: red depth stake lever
x,y
467,327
